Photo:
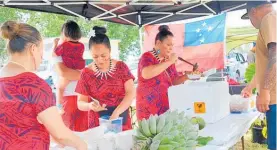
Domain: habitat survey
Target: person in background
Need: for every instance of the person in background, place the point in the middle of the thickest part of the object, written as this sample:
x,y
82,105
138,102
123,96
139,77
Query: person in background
x,y
106,86
248,90
73,118
251,55
28,114
263,17
156,73
71,51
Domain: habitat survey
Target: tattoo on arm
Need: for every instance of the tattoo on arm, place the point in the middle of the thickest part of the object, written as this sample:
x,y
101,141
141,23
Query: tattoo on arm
x,y
270,74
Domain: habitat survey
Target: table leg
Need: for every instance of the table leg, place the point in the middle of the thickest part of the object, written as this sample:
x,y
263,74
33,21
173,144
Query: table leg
x,y
242,142
133,116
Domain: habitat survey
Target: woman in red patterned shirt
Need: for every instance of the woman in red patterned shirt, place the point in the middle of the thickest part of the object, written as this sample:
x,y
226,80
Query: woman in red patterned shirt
x,y
107,80
27,106
156,73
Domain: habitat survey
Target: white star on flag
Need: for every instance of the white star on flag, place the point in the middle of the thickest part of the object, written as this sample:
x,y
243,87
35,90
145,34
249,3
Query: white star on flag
x,y
210,28
204,24
198,30
200,34
202,40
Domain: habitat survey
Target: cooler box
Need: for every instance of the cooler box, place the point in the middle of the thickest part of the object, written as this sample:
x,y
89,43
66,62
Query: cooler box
x,y
209,100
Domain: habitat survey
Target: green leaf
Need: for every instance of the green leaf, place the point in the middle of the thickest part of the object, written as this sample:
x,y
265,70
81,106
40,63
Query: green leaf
x,y
264,132
203,141
250,71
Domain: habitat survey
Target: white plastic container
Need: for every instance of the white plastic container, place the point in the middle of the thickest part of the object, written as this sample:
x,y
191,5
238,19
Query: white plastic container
x,y
194,76
124,140
238,104
91,135
209,100
107,142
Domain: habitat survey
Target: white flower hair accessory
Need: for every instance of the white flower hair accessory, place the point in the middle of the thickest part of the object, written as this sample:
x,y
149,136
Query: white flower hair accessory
x,y
91,33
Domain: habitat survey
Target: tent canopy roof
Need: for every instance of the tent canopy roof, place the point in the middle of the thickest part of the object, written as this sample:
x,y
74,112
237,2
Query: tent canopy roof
x,y
130,12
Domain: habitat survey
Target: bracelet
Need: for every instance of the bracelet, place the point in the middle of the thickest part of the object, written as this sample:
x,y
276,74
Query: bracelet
x,y
60,106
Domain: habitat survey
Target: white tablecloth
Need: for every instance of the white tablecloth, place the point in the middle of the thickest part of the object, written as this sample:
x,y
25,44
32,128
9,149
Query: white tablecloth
x,y
212,147
228,131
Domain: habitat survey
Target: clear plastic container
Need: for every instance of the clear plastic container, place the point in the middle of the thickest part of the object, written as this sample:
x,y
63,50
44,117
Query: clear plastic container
x,y
114,126
238,104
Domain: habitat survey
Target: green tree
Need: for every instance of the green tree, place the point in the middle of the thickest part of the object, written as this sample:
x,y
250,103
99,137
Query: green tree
x,y
129,36
50,24
7,14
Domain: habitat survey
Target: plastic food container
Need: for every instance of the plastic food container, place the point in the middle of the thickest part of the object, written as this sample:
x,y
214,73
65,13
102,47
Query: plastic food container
x,y
238,104
208,100
107,142
124,140
114,126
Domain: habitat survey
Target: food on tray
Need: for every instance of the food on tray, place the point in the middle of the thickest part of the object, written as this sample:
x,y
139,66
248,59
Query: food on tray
x,y
196,72
195,75
171,130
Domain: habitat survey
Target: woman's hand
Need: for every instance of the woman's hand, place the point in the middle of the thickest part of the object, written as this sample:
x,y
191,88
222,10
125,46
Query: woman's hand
x,y
247,91
83,146
115,115
173,58
56,42
61,111
96,106
55,141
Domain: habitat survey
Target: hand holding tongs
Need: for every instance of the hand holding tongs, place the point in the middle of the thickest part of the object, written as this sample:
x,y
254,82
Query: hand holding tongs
x,y
95,100
195,66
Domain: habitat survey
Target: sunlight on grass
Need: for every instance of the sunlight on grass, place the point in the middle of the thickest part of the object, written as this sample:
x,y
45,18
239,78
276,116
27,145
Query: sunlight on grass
x,y
248,144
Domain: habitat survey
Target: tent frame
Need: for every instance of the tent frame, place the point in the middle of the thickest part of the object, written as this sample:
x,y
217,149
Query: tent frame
x,y
122,5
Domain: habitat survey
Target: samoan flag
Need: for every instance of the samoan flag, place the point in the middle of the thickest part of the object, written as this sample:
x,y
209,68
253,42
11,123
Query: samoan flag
x,y
199,42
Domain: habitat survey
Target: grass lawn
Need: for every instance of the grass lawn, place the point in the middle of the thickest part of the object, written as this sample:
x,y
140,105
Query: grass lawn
x,y
248,144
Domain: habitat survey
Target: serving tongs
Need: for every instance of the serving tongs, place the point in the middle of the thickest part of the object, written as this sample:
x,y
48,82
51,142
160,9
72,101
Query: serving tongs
x,y
195,66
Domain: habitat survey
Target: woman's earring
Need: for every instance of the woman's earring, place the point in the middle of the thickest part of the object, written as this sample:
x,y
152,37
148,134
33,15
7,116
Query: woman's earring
x,y
158,52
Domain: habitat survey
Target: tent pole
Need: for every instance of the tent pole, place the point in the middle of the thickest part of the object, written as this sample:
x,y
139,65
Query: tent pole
x,y
140,40
224,48
69,11
209,9
6,1
234,8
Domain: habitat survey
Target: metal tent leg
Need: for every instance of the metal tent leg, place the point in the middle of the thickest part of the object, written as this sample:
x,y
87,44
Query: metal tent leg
x,y
242,142
140,40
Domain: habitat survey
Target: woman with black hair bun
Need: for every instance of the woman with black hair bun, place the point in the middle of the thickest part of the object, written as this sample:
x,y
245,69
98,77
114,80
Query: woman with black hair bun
x,y
27,105
107,82
156,73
